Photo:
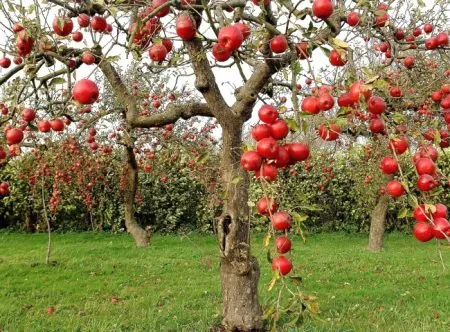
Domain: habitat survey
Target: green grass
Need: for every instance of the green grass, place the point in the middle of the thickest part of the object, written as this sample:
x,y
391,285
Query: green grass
x,y
174,285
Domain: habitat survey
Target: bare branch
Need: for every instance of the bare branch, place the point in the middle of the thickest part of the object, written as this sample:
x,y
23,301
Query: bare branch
x,y
11,73
205,81
173,112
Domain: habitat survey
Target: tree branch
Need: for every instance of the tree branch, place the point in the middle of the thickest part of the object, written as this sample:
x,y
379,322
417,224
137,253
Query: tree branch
x,y
64,5
205,81
11,73
247,95
173,112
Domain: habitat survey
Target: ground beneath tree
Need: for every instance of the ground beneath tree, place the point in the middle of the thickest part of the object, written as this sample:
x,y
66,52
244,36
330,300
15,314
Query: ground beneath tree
x,y
174,285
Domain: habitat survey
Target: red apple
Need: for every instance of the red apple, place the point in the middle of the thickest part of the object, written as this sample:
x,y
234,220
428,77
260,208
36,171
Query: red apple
x,y
83,20
423,231
186,27
336,59
77,36
389,165
85,92
395,188
425,166
251,161
62,25
261,131
426,182
281,221
310,105
283,244
14,136
279,129
158,52
353,19
267,148
220,53
28,114
98,23
298,151
230,37
267,206
440,228
322,8
268,113
278,44
5,62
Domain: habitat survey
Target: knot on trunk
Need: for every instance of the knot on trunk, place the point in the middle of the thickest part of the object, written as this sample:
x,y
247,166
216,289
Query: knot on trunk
x,y
223,229
202,85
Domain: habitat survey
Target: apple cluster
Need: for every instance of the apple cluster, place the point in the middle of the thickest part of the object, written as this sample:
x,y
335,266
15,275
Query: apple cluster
x,y
265,162
431,222
431,219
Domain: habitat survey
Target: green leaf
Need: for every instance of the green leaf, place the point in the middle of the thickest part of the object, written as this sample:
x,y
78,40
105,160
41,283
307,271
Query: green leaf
x,y
299,217
113,11
398,118
236,180
380,84
274,280
325,51
293,125
30,69
305,126
114,58
31,8
297,68
60,23
269,311
367,72
10,7
269,256
203,158
338,43
341,122
57,80
267,238
403,213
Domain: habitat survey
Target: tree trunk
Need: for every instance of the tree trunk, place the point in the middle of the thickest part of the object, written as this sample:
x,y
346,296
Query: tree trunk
x,y
30,220
238,269
378,224
139,235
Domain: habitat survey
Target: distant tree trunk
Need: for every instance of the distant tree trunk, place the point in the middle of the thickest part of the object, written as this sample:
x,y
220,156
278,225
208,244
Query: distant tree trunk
x,y
378,224
238,269
139,235
30,220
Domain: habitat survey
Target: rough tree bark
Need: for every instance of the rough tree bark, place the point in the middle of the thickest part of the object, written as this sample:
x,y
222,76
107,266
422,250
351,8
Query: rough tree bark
x,y
378,224
239,270
30,220
139,235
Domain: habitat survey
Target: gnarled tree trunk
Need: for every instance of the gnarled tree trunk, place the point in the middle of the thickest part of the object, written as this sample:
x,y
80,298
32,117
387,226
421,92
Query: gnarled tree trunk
x,y
238,269
139,235
378,224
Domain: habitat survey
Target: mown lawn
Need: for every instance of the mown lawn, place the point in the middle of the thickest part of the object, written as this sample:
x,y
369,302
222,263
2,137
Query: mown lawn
x,y
174,285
